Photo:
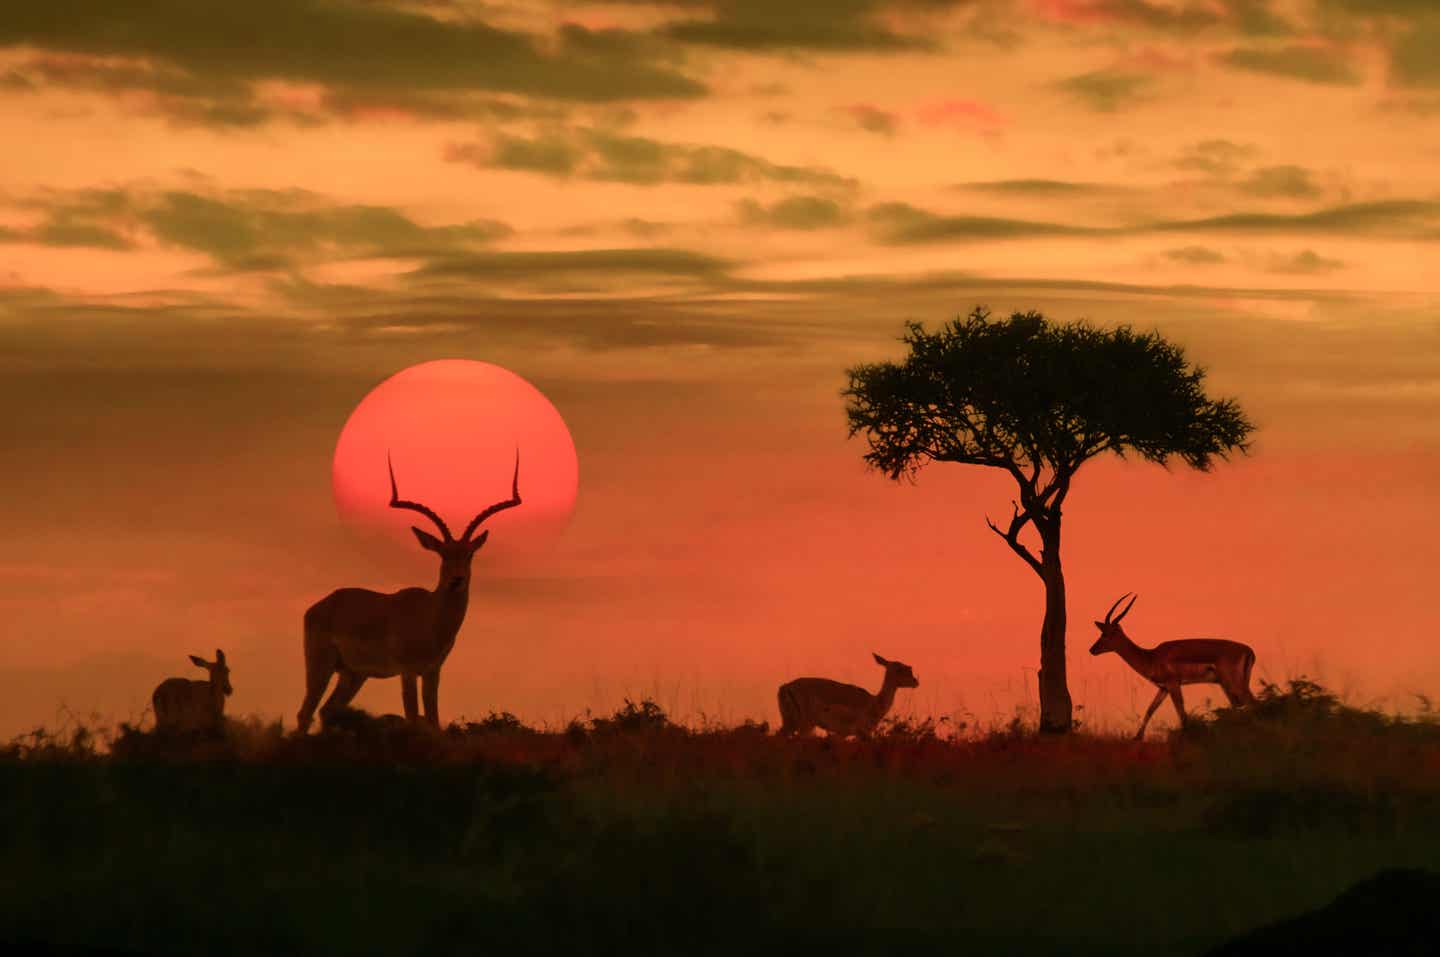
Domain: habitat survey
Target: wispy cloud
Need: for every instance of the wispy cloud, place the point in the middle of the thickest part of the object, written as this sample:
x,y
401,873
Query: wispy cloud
x,y
872,119
605,155
206,59
902,223
1037,187
1311,63
1287,181
1413,60
1306,262
795,212
809,25
1196,256
552,264
244,229
1108,91
1216,157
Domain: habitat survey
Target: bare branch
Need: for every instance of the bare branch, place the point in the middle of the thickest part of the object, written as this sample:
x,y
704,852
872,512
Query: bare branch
x,y
1012,537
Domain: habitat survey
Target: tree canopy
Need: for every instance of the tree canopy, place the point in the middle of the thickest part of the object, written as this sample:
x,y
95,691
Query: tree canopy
x,y
1037,399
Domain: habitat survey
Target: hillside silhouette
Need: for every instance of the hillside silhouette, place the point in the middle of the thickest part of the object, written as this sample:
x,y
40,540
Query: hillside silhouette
x,y
629,830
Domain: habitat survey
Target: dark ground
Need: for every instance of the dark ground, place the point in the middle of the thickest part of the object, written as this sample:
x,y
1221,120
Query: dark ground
x,y
629,833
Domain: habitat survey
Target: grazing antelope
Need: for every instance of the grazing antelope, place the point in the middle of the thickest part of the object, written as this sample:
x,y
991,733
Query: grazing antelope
x,y
185,705
1171,664
841,709
367,634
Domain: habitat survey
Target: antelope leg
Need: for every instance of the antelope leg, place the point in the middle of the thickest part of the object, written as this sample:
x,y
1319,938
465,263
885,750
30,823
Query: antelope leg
x,y
407,697
430,689
1159,697
1179,699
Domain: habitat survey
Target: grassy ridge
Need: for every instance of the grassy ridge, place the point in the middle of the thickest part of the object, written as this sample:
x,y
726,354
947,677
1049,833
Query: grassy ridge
x,y
376,837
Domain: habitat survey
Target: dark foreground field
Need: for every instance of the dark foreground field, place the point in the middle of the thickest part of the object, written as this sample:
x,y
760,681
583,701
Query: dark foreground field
x,y
630,833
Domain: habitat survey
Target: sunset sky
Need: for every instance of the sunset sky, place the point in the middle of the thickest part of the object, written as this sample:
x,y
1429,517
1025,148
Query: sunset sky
x,y
222,225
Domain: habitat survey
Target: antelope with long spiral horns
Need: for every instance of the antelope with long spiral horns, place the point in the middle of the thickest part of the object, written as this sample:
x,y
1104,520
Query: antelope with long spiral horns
x,y
1171,664
365,634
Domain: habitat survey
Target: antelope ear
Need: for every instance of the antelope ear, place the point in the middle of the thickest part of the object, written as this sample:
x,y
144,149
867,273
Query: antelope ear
x,y
1100,625
880,661
199,662
219,657
427,540
479,540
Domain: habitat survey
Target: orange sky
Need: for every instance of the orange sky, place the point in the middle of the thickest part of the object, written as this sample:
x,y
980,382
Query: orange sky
x,y
683,222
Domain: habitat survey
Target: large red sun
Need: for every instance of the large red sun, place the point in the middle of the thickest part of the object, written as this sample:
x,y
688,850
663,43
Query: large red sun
x,y
453,428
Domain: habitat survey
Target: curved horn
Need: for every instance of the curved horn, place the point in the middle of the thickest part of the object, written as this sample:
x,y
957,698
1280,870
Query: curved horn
x,y
1114,606
396,502
510,502
1126,611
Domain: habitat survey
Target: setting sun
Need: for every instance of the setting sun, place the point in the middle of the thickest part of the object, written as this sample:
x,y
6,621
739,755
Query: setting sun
x,y
452,429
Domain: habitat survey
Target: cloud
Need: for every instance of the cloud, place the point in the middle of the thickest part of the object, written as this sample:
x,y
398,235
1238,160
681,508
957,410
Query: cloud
x,y
795,212
1108,91
1218,158
549,153
1413,59
1258,18
1378,8
872,119
87,218
212,56
837,26
607,156
1196,256
1314,64
1250,17
58,232
552,264
902,223
645,228
247,229
1399,218
1287,181
1305,262
1037,187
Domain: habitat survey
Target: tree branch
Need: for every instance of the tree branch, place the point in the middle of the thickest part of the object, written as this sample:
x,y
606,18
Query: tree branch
x,y
1012,537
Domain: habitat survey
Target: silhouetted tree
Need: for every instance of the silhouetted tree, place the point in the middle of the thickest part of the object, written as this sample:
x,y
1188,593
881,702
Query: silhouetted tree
x,y
1038,399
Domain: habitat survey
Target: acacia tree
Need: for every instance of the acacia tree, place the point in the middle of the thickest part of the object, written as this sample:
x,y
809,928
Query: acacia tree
x,y
1038,399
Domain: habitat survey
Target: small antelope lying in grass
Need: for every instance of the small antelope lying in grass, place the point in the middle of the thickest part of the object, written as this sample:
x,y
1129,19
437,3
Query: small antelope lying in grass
x,y
841,709
185,705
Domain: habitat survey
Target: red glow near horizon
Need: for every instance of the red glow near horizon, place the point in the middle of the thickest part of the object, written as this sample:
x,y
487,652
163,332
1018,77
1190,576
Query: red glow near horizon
x,y
452,428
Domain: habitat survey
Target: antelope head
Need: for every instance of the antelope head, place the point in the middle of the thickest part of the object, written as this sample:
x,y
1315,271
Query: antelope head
x,y
1112,636
455,553
897,673
219,670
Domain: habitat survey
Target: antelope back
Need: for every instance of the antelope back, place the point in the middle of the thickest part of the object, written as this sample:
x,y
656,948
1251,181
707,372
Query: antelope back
x,y
184,705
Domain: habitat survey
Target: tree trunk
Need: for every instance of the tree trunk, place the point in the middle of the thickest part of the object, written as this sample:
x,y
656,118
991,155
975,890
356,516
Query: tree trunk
x,y
1055,713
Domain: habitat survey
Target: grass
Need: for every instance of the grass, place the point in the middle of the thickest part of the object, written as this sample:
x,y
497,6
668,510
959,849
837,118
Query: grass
x,y
630,831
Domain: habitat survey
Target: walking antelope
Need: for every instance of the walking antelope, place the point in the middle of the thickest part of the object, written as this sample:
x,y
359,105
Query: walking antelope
x,y
1171,664
367,634
185,705
841,709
